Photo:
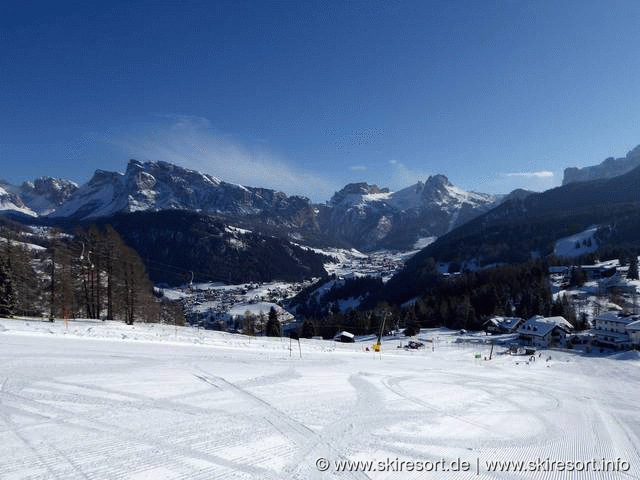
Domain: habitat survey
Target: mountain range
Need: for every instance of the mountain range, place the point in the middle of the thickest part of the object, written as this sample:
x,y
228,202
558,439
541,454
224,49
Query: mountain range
x,y
359,216
611,167
520,230
251,233
370,218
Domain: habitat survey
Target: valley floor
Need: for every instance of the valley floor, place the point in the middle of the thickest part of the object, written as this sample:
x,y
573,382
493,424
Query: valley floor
x,y
95,400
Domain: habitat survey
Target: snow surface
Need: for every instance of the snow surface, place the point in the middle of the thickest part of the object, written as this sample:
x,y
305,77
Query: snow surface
x,y
566,247
241,231
424,242
103,400
7,203
376,197
29,246
259,308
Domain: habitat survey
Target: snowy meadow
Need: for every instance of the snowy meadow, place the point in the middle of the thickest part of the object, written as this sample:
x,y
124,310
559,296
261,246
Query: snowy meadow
x,y
103,400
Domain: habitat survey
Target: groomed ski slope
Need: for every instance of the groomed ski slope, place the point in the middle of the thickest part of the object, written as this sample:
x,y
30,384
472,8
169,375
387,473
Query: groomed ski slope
x,y
88,400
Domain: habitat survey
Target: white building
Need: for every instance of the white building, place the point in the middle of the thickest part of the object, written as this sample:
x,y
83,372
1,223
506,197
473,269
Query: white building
x,y
544,331
345,337
633,330
503,324
618,330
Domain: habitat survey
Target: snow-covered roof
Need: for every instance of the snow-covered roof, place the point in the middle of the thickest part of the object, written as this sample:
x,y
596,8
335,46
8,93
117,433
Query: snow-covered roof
x,y
558,321
344,334
541,326
612,337
506,323
602,266
617,317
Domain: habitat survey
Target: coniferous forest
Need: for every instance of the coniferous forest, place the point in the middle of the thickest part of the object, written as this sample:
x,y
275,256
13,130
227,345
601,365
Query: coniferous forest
x,y
90,274
463,301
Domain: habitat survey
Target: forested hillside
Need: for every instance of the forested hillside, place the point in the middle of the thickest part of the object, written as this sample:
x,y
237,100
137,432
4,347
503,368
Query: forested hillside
x,y
175,243
519,230
91,273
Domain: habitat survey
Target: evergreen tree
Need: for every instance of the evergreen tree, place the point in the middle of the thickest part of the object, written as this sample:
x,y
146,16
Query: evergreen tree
x,y
308,329
633,268
412,328
7,291
273,324
578,277
27,284
249,323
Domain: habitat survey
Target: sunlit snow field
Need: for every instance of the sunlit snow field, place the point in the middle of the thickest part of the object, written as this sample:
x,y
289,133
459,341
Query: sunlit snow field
x,y
95,400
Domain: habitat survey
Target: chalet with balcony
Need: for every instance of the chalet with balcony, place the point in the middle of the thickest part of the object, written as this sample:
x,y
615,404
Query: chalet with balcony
x,y
544,332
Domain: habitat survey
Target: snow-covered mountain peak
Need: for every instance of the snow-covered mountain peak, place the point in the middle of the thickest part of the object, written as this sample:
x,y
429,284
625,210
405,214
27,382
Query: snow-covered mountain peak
x,y
38,197
49,185
356,193
160,185
12,202
437,181
166,172
104,176
371,217
437,190
45,194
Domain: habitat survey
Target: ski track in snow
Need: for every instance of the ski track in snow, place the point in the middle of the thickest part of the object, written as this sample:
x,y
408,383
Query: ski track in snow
x,y
78,408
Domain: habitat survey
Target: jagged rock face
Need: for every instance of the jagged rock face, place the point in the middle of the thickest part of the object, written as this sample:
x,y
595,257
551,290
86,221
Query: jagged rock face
x,y
360,215
369,217
611,167
39,197
353,191
47,190
155,186
11,201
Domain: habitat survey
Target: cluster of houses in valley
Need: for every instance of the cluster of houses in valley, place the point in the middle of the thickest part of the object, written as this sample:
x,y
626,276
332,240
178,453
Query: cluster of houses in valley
x,y
607,277
612,329
538,331
218,306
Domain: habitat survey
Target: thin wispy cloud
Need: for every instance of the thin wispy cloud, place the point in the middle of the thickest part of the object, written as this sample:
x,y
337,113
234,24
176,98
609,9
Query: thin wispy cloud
x,y
540,174
403,176
358,168
536,181
191,142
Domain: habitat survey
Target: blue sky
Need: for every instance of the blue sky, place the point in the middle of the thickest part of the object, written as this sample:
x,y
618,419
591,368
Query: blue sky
x,y
308,96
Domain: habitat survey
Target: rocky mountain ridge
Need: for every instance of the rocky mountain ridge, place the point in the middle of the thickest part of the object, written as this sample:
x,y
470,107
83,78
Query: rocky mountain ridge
x,y
360,215
609,168
371,217
156,186
40,197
